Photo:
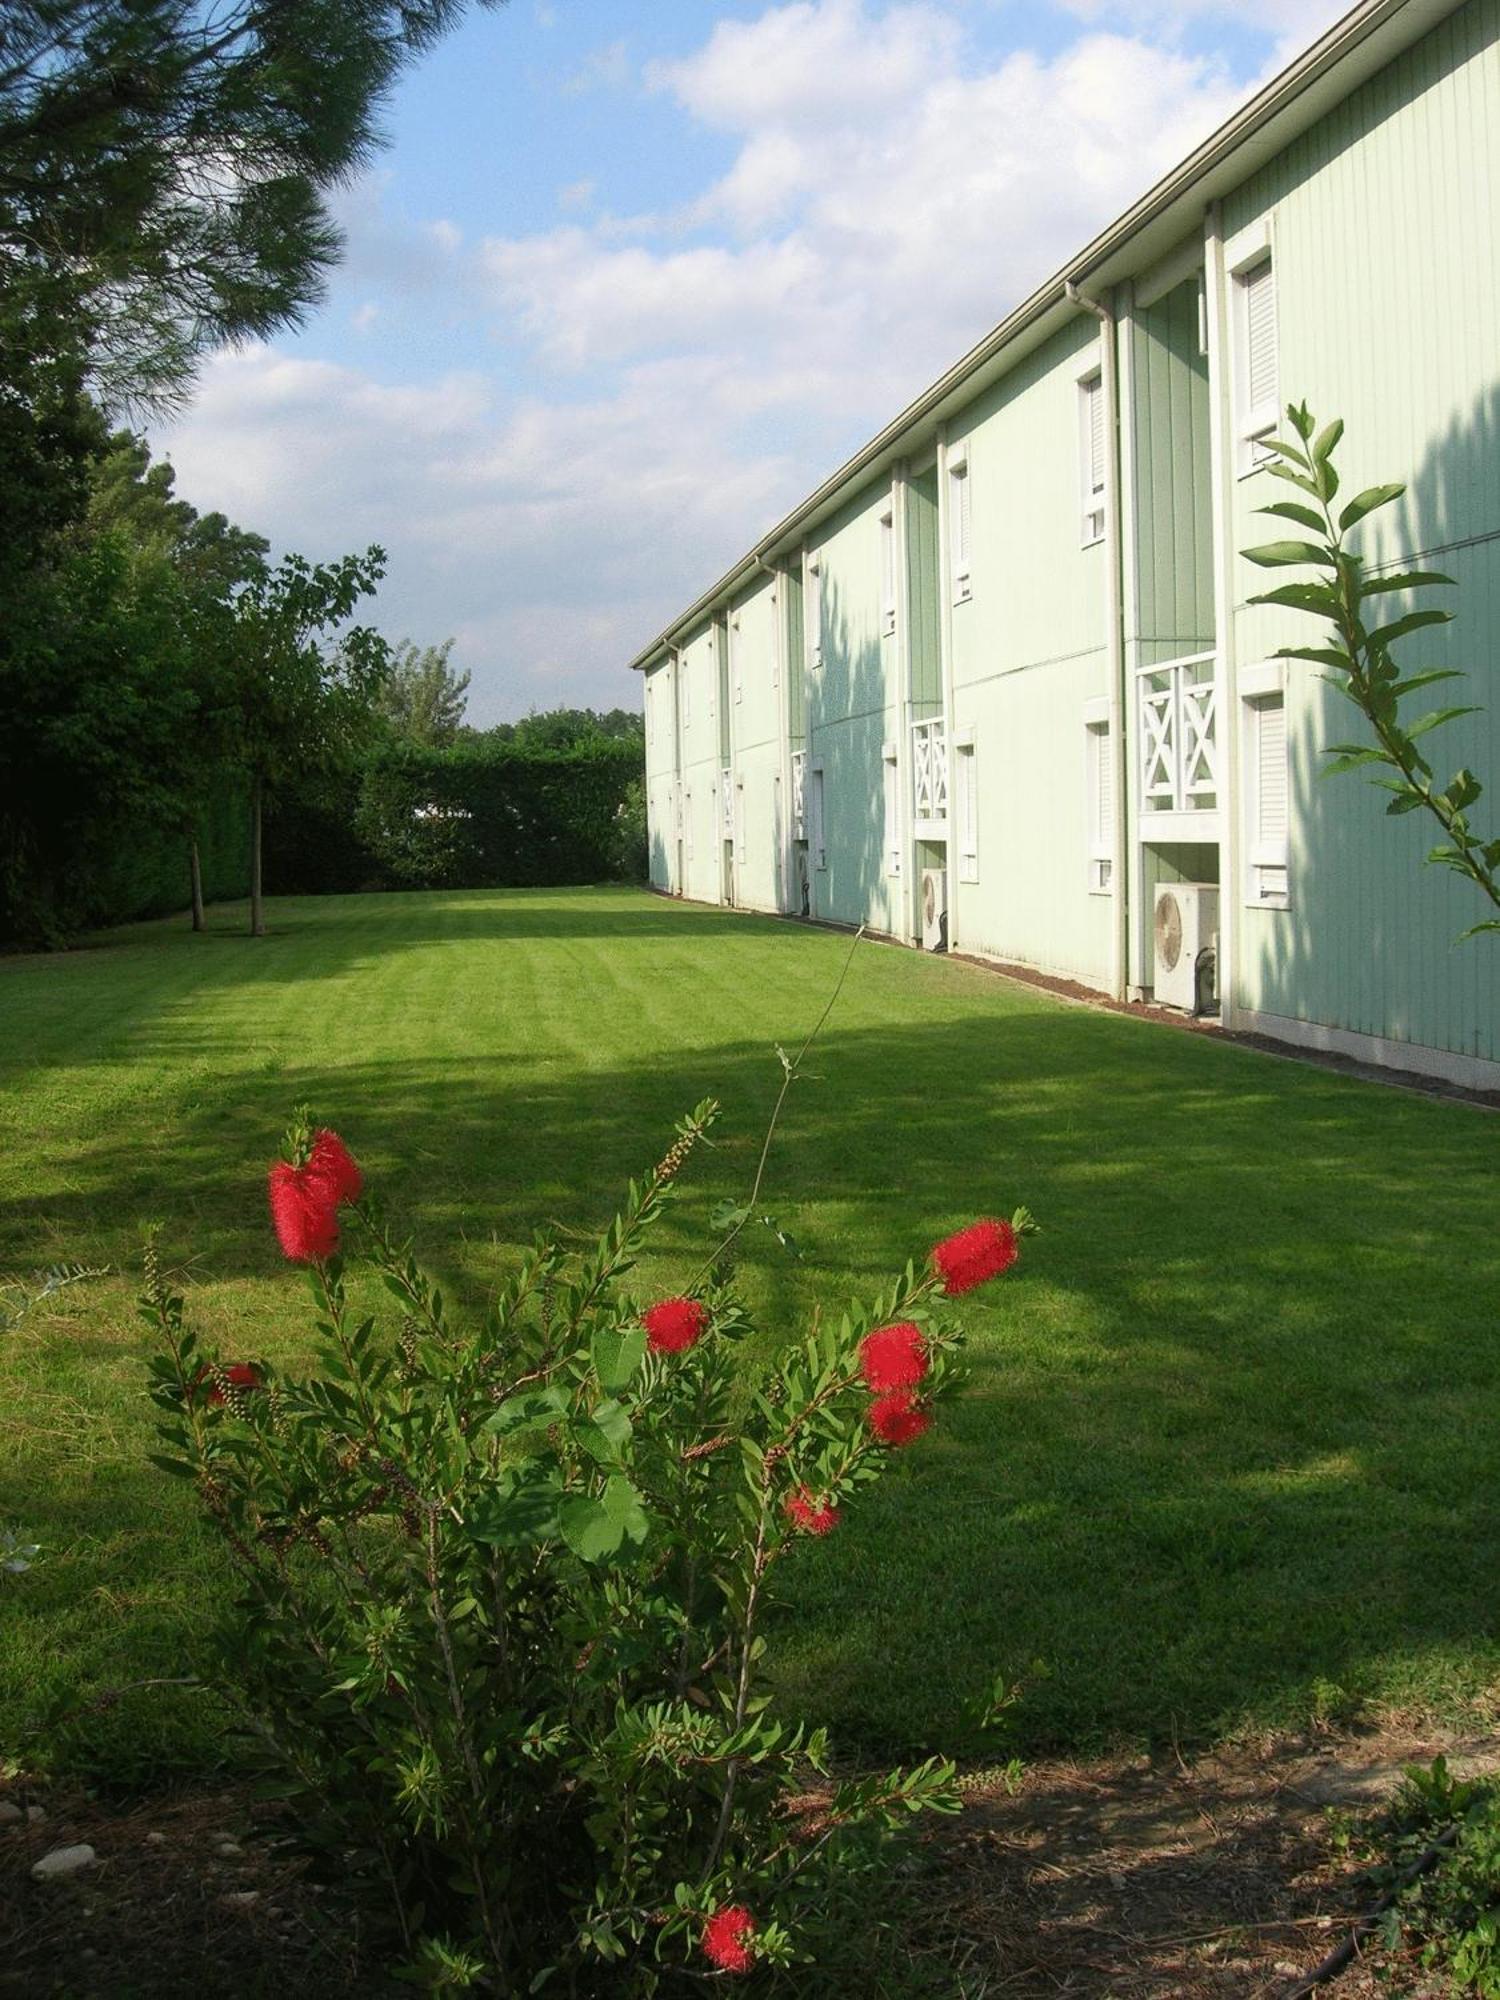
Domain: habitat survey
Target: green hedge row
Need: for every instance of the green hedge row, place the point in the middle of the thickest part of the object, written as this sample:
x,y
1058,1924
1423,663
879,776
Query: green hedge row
x,y
477,815
111,879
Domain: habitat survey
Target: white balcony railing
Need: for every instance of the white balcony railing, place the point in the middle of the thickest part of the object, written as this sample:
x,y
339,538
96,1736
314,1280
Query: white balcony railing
x,y
799,795
1178,733
929,770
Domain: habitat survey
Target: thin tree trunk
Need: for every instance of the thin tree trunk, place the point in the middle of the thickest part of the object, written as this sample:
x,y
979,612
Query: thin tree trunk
x,y
257,909
197,867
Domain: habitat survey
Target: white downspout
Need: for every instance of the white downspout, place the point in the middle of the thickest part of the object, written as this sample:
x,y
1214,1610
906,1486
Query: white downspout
x,y
1221,461
786,857
1115,627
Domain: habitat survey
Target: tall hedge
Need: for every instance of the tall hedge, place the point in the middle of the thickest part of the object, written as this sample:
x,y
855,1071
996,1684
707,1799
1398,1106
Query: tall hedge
x,y
115,875
477,815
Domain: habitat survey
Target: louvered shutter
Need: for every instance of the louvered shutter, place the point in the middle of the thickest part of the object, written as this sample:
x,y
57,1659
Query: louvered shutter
x,y
1258,356
1093,458
1101,785
1269,829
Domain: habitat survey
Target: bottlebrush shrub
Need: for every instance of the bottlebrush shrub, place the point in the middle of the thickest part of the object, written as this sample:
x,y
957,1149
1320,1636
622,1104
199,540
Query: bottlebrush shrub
x,y
504,1575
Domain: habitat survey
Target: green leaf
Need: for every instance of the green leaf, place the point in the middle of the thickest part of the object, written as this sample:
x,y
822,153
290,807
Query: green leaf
x,y
1436,720
728,1215
1275,555
1366,503
1404,579
1320,598
534,1409
1404,802
614,1420
1349,757
1326,439
1427,679
1386,635
597,1529
1325,656
518,1513
1293,510
180,1468
617,1355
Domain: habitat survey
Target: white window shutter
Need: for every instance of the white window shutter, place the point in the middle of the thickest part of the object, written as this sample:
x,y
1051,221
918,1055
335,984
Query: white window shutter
x,y
968,813
1271,786
1268,814
1260,342
892,775
1101,791
1092,455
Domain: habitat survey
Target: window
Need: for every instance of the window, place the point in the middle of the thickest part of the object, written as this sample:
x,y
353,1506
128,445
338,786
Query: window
x,y
816,844
812,607
1091,453
966,774
1256,398
960,524
892,771
888,569
1266,800
1100,786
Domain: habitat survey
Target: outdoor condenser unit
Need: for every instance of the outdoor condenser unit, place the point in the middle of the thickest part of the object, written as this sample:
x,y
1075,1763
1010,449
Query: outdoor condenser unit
x,y
1186,928
934,909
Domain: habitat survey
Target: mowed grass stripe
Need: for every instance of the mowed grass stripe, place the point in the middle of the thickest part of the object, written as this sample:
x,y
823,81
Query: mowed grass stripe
x,y
1227,1457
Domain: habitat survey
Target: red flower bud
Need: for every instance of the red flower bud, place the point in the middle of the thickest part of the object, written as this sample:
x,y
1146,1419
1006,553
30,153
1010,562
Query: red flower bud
x,y
977,1253
304,1212
724,1938
893,1357
674,1325
811,1515
897,1417
239,1375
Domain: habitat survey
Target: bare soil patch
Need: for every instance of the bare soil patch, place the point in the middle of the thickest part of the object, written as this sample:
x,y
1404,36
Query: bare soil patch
x,y
1169,1878
1126,1879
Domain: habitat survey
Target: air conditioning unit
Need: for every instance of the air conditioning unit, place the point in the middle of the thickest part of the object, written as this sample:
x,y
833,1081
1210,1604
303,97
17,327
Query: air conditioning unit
x,y
1186,931
934,909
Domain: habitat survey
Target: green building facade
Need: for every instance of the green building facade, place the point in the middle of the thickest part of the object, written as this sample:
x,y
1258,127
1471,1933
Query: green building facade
x,y
996,686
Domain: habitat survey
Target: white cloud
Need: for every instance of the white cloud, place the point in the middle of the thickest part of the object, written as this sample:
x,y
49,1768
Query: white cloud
x,y
677,381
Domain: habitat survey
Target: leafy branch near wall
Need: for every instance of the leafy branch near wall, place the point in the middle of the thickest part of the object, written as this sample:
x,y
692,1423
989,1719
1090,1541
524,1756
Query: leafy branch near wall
x,y
1357,654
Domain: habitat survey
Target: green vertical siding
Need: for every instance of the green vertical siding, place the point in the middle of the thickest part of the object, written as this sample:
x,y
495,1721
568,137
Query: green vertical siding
x,y
1028,654
1385,225
1173,493
796,659
923,574
853,711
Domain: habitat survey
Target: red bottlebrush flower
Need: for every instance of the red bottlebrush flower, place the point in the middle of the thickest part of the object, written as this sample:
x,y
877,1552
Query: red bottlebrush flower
x,y
239,1375
305,1212
893,1357
724,1938
332,1162
674,1325
897,1417
811,1515
981,1251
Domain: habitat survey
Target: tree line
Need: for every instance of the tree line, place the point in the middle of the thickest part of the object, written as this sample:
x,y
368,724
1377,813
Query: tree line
x,y
164,174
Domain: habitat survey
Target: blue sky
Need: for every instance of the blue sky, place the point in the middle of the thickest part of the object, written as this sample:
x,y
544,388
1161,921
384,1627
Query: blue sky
x,y
632,275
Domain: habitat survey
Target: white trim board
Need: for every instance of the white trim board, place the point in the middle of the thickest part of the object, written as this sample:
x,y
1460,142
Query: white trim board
x,y
1417,1058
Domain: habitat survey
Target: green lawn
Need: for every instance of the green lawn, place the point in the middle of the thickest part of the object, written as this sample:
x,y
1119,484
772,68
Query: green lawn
x,y
1229,1450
